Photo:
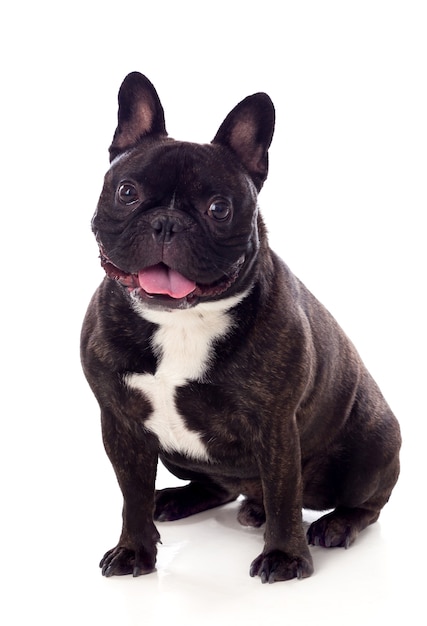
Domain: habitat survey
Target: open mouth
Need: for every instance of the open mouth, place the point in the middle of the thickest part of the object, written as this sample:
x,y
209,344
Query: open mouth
x,y
163,283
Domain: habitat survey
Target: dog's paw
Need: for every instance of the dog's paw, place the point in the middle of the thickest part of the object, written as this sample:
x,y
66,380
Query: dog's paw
x,y
172,504
277,565
251,513
330,533
179,502
340,527
121,561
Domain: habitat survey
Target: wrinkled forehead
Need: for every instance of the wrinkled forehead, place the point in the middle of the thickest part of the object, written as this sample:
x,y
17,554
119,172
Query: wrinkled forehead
x,y
181,165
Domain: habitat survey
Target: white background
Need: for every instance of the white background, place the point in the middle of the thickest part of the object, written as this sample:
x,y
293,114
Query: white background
x,y
345,205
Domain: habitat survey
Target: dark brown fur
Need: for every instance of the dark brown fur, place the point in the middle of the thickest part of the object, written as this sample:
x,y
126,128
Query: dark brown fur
x,y
287,410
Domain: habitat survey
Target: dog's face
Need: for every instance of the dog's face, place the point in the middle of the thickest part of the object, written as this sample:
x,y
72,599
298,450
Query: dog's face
x,y
177,222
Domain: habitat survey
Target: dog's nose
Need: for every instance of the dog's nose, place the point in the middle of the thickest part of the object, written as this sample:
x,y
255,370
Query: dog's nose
x,y
164,227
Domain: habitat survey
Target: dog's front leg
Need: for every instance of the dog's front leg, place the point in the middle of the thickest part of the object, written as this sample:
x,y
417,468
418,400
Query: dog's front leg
x,y
286,554
135,462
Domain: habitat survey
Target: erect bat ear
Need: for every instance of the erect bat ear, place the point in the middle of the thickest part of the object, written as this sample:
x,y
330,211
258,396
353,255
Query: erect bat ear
x,y
248,131
140,113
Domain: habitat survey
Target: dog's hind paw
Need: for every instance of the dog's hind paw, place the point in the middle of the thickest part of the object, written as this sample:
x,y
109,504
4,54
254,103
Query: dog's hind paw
x,y
340,527
251,513
179,502
330,535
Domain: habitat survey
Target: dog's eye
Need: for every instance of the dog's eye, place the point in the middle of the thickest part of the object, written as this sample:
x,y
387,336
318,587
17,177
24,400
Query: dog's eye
x,y
127,193
219,210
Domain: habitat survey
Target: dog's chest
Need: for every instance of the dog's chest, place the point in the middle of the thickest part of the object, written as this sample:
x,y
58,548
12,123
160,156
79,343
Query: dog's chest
x,y
183,344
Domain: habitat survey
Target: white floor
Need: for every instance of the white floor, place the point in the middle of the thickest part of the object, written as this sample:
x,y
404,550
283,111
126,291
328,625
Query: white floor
x,y
345,204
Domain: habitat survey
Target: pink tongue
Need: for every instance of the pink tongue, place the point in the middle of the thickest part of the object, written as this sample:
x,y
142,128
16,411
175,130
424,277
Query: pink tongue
x,y
159,279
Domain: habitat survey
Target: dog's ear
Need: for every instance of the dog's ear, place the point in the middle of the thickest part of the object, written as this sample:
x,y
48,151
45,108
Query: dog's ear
x,y
248,131
140,113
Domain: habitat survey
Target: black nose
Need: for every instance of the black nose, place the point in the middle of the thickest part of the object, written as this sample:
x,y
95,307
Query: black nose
x,y
165,226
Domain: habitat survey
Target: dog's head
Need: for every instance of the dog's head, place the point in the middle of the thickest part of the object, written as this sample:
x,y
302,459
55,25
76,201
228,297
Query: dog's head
x,y
177,222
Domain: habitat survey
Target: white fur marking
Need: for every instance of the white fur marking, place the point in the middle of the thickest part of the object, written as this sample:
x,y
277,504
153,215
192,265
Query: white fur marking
x,y
183,344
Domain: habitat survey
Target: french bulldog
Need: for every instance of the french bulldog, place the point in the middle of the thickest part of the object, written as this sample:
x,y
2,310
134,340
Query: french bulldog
x,y
204,350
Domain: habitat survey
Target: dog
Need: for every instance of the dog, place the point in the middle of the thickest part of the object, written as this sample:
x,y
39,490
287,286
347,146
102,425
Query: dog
x,y
204,350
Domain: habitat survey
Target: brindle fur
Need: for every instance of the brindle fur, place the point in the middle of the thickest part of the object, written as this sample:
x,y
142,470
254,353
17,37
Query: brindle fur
x,y
288,413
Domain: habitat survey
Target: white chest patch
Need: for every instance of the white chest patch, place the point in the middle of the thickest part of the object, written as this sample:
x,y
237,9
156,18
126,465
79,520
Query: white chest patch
x,y
183,344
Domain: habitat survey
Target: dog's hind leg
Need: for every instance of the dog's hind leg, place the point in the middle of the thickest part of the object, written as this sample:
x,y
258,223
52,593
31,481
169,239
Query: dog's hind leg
x,y
251,513
340,527
178,502
201,494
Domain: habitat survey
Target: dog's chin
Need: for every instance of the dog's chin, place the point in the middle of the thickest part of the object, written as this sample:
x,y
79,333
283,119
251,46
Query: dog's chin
x,y
201,292
162,301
